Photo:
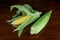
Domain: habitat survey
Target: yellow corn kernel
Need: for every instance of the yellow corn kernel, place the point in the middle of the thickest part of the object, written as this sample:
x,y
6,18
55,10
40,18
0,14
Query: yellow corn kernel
x,y
20,20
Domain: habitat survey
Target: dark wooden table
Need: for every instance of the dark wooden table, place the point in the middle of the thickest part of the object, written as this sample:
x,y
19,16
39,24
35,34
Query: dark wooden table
x,y
51,30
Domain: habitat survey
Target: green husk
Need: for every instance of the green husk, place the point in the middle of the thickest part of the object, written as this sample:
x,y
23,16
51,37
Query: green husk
x,y
26,10
34,15
40,23
20,32
29,21
14,19
29,8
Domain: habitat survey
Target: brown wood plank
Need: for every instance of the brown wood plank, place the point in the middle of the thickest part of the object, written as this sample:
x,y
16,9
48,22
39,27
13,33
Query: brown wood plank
x,y
50,32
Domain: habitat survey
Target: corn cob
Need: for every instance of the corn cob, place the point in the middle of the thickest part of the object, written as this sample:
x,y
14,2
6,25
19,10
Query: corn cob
x,y
40,23
29,21
23,21
20,20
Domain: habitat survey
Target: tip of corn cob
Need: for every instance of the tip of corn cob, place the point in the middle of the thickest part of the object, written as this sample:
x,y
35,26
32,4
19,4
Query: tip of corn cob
x,y
31,33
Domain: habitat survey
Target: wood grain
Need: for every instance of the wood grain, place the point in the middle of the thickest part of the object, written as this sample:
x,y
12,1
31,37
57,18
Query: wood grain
x,y
51,30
